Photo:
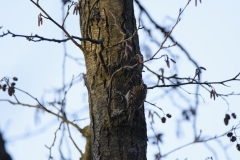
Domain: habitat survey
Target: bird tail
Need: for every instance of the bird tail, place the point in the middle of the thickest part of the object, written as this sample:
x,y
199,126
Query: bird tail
x,y
130,118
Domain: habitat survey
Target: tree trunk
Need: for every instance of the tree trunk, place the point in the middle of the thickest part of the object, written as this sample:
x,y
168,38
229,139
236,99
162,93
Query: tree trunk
x,y
108,79
3,153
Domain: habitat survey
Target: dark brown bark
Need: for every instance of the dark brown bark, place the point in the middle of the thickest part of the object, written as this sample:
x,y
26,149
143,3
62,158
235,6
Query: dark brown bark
x,y
3,153
108,81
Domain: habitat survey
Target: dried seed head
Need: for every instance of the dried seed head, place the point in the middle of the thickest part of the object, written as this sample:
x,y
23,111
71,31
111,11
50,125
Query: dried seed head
x,y
233,139
76,8
11,91
234,115
4,87
227,116
15,78
230,134
169,115
40,20
211,93
163,119
226,121
238,146
168,63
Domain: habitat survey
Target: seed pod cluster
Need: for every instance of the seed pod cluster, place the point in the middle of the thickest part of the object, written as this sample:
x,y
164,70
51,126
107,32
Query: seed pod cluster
x,y
169,115
213,94
9,87
163,119
4,87
238,147
227,118
233,139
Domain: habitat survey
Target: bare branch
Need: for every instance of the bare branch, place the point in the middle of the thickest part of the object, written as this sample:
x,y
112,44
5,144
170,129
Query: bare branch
x,y
163,30
44,109
54,140
37,38
51,19
200,141
70,136
195,82
168,34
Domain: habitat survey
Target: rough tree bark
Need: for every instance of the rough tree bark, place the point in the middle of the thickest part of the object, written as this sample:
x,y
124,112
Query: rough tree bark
x,y
108,79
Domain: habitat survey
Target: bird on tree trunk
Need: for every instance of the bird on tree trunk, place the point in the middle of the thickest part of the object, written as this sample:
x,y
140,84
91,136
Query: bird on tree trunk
x,y
135,99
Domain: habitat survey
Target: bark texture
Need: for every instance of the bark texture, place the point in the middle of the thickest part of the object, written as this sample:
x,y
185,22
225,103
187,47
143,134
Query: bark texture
x,y
108,80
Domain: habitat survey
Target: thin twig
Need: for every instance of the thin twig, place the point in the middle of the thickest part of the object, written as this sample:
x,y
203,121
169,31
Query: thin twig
x,y
54,140
37,38
163,30
168,34
51,19
70,136
40,106
199,141
200,83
